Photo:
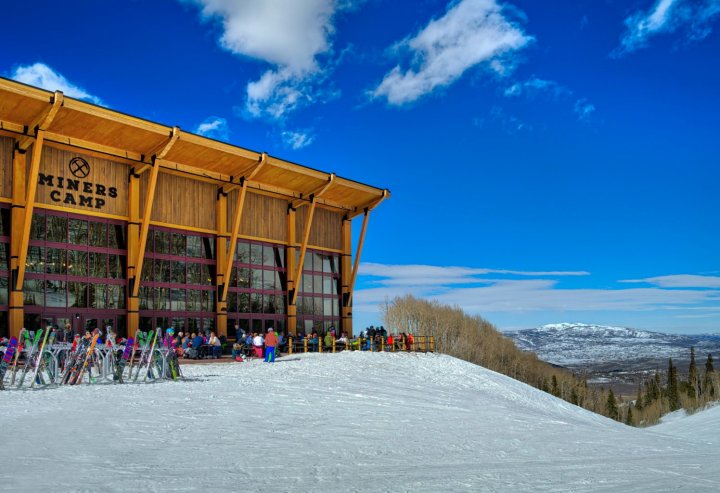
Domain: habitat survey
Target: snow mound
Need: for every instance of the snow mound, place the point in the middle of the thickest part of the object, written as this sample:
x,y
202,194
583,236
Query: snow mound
x,y
337,422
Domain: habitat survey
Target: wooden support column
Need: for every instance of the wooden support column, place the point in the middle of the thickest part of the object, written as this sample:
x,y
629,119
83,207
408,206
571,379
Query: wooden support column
x,y
290,262
144,229
357,255
16,310
133,245
221,245
237,219
303,249
345,275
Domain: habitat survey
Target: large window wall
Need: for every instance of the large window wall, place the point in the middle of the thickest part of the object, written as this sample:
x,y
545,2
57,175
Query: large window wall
x,y
177,287
318,303
258,284
76,267
4,267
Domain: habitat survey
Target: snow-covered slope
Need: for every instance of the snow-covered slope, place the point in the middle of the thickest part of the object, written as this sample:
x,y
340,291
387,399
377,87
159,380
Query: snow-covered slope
x,y
571,344
338,422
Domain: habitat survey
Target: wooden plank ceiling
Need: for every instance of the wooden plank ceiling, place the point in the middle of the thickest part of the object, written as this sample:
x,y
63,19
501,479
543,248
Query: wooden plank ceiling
x,y
97,128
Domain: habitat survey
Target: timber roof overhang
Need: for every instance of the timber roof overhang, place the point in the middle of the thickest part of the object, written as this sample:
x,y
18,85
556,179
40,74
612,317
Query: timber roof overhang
x,y
142,144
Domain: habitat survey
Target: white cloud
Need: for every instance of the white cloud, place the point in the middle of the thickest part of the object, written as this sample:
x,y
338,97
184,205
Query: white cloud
x,y
667,16
214,127
290,35
680,281
584,109
40,75
470,33
297,140
467,288
535,85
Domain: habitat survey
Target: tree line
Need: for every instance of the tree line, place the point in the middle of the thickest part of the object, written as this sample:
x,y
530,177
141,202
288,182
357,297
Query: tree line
x,y
473,339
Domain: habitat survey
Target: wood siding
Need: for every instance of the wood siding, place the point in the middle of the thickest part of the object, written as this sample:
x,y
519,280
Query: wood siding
x,y
94,192
181,201
326,230
263,216
6,155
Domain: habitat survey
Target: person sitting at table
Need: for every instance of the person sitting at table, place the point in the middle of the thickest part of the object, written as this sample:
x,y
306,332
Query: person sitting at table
x,y
341,341
328,340
215,345
390,342
197,345
313,342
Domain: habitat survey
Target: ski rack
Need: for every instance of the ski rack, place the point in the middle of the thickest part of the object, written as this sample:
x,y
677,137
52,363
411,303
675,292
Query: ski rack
x,y
55,358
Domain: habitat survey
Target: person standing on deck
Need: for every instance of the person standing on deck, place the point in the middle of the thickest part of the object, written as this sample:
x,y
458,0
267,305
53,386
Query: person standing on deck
x,y
271,341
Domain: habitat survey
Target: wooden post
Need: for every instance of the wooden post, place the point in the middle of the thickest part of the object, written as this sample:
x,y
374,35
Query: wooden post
x,y
133,240
16,308
345,275
221,254
290,268
290,344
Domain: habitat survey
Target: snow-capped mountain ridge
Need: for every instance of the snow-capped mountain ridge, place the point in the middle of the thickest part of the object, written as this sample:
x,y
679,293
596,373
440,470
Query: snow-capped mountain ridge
x,y
577,344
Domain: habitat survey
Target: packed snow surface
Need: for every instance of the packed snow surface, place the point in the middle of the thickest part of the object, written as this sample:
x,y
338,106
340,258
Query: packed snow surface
x,y
340,422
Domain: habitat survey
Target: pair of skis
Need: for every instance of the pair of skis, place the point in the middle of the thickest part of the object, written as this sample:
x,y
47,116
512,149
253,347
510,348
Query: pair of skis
x,y
7,359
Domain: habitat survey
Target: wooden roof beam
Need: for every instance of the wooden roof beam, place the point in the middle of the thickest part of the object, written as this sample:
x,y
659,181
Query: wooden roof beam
x,y
361,241
247,174
316,193
159,152
370,205
145,227
41,122
230,257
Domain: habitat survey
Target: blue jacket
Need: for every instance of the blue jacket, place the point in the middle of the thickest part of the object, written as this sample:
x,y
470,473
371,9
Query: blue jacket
x,y
197,341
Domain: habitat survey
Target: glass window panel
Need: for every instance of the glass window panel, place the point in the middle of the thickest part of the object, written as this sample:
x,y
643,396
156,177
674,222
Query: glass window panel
x,y
268,256
208,274
279,303
37,228
318,306
57,229
116,296
327,285
245,280
194,246
4,247
178,272
116,266
78,230
98,265
145,294
162,242
161,298
308,264
279,256
116,236
177,299
35,259
193,274
77,295
278,283
34,292
193,300
56,294
147,269
334,264
307,283
77,263
162,270
56,261
177,323
335,307
269,280
256,303
326,267
97,295
178,245
256,279
3,290
207,301
243,303
256,254
318,261
208,248
327,307
242,253
232,301
98,234
268,303
317,284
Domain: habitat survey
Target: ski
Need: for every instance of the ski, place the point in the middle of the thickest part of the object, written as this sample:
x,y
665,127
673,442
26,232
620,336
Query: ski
x,y
38,359
123,360
29,357
150,355
21,345
88,357
9,353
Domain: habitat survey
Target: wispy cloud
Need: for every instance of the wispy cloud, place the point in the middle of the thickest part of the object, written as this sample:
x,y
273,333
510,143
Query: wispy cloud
x,y
693,17
40,75
483,291
584,109
680,281
534,86
214,127
472,32
297,140
290,35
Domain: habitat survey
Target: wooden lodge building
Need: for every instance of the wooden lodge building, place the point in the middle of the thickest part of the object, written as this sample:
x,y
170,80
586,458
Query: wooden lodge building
x,y
108,219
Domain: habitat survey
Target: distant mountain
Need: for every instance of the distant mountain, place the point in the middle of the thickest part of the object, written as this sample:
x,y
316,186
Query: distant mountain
x,y
577,345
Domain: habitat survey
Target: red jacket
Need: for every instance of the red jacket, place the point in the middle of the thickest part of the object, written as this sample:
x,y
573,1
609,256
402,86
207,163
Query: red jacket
x,y
271,340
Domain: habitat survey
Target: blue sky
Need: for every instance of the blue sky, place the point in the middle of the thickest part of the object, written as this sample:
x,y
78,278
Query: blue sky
x,y
548,161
